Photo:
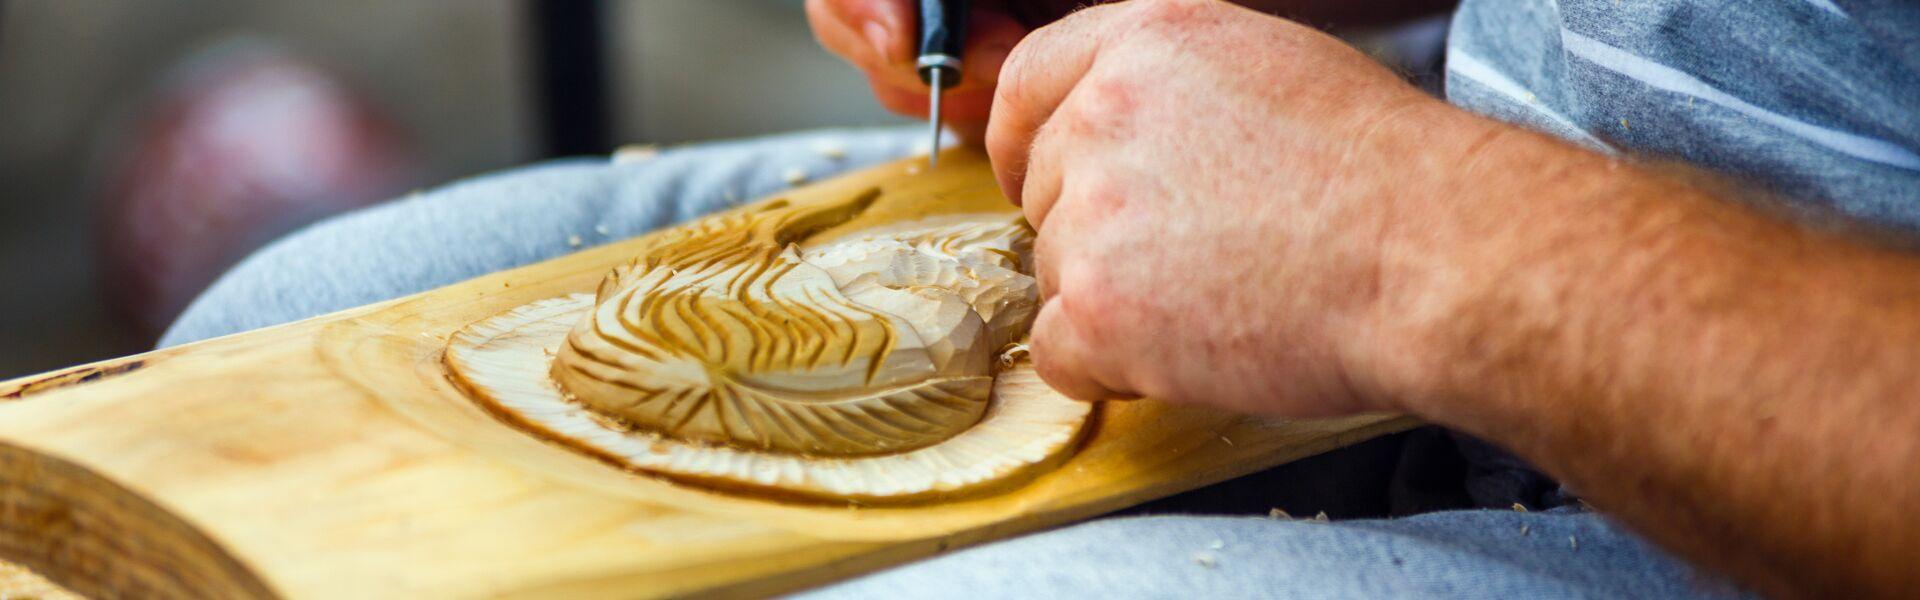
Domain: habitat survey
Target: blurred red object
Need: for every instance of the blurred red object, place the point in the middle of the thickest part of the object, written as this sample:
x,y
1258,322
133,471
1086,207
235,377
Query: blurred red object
x,y
245,142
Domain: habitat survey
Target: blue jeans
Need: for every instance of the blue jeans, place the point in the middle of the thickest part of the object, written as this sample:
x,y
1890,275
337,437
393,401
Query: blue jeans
x,y
514,218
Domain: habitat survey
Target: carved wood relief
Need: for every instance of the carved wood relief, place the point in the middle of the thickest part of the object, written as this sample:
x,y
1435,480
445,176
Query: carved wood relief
x,y
739,351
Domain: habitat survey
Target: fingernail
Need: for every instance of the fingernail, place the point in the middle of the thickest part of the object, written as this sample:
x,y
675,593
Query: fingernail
x,y
881,39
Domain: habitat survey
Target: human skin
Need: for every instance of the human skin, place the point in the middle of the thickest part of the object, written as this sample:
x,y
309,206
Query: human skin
x,y
1242,212
880,38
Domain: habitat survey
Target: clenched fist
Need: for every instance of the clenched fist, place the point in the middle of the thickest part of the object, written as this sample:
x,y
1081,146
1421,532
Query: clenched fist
x,y
1218,195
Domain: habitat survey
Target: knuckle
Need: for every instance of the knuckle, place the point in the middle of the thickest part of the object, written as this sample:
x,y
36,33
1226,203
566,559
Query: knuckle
x,y
1013,85
1101,107
1114,94
1166,12
1103,196
1026,54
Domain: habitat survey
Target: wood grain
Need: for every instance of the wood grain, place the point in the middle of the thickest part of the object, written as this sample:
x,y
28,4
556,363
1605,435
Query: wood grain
x,y
333,458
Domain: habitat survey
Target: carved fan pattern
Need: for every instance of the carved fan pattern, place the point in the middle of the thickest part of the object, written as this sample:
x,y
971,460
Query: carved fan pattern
x,y
737,331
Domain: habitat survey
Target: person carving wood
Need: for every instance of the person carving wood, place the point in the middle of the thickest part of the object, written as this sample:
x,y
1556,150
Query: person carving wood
x,y
1628,246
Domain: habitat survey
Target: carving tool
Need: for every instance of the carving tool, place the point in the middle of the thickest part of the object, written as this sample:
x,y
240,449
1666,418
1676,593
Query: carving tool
x,y
943,28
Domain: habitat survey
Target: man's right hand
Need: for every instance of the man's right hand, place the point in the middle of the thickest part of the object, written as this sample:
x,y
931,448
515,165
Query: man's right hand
x,y
879,38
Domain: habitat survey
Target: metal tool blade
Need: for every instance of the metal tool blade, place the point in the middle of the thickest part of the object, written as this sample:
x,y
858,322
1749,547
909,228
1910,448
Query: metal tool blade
x,y
933,124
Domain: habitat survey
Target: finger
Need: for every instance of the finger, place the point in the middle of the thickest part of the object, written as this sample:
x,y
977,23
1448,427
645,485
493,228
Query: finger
x,y
1044,181
879,38
1034,80
871,34
1063,358
991,35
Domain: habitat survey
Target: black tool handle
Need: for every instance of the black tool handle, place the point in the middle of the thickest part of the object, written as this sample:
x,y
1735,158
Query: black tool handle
x,y
943,29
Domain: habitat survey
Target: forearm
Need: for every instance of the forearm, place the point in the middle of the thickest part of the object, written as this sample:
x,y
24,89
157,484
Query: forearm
x,y
1319,13
1739,388
1334,14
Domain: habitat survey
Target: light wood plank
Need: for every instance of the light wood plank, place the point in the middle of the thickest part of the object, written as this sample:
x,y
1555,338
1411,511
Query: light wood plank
x,y
332,458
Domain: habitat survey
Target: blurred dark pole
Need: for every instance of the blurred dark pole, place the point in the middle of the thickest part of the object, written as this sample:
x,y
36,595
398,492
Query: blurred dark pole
x,y
570,75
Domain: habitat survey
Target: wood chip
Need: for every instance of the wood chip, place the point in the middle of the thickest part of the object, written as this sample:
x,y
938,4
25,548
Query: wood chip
x,y
1277,513
1523,529
832,149
1518,507
634,153
1573,543
1321,517
574,241
795,176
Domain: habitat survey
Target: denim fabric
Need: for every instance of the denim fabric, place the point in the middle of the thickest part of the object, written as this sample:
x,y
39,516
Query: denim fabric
x,y
495,222
1818,100
1455,554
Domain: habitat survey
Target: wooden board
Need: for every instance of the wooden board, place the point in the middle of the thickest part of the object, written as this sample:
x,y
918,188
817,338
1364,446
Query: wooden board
x,y
332,458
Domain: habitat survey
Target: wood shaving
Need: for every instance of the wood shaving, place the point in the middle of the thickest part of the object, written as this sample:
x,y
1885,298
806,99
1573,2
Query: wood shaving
x,y
832,149
1206,559
795,176
574,241
634,153
1277,513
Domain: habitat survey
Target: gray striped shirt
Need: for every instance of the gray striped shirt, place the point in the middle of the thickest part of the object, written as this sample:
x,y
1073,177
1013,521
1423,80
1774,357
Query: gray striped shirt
x,y
1818,100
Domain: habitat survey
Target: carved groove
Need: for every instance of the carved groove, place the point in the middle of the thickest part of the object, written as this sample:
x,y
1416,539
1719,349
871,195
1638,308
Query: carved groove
x,y
729,332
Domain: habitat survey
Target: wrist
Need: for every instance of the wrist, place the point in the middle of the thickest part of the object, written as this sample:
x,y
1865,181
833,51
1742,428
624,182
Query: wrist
x,y
1480,208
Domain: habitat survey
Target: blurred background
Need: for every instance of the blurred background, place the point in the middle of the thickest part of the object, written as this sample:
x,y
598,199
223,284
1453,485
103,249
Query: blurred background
x,y
146,146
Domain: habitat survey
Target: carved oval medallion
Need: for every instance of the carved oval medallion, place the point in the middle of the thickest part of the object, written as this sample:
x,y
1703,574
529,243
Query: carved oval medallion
x,y
871,345
740,351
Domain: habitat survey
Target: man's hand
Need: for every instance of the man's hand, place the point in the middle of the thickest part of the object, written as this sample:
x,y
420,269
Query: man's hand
x,y
1212,188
